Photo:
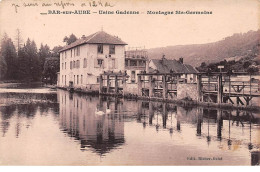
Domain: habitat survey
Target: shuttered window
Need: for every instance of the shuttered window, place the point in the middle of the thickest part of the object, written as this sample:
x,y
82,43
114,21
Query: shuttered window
x,y
85,63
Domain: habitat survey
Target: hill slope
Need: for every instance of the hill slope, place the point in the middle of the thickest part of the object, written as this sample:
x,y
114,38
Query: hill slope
x,y
237,45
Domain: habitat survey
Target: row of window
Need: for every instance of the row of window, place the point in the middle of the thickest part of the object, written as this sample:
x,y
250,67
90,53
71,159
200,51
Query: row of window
x,y
74,64
99,63
112,49
76,51
73,53
76,79
134,63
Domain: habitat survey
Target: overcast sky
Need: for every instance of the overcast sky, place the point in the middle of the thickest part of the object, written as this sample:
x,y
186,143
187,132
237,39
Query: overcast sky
x,y
229,16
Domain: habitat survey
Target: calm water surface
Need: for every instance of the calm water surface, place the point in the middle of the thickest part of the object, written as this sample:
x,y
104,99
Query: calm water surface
x,y
49,127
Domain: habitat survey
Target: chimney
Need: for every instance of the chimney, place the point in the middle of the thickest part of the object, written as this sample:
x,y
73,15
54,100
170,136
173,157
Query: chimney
x,y
181,60
163,56
163,61
83,37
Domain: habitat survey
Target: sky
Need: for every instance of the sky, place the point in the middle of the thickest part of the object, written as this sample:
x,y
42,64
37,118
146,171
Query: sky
x,y
157,30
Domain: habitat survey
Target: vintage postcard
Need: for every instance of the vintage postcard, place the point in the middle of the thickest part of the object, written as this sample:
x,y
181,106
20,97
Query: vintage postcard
x,y
129,82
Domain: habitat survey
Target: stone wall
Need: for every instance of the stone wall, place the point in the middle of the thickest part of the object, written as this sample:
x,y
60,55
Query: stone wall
x,y
188,90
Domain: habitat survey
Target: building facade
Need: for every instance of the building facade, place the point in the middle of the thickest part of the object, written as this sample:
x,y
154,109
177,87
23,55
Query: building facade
x,y
188,73
135,62
84,60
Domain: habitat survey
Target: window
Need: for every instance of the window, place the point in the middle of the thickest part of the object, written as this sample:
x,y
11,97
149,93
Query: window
x,y
62,79
77,79
71,53
65,80
77,64
74,52
111,49
113,63
126,62
74,64
85,63
81,79
98,79
100,48
78,51
62,66
71,65
133,63
74,78
141,63
65,54
100,62
133,76
65,65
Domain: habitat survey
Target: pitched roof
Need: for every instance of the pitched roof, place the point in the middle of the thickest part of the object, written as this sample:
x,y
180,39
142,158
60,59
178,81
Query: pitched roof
x,y
100,37
171,66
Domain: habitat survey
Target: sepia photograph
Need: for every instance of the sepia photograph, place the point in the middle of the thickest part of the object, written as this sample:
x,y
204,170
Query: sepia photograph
x,y
129,83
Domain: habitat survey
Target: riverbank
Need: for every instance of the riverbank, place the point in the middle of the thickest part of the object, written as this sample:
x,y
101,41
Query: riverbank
x,y
182,102
17,84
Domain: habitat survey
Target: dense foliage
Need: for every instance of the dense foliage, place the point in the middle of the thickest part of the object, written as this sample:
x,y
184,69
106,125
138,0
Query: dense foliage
x,y
246,64
72,38
50,69
27,64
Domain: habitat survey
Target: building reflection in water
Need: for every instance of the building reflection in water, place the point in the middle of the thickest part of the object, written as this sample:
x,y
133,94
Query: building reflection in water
x,y
102,133
79,118
171,117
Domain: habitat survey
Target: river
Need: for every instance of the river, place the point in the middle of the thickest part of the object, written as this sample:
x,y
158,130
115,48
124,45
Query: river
x,y
41,126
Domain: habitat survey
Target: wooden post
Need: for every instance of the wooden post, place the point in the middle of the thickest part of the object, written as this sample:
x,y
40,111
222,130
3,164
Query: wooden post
x,y
108,85
199,88
219,124
220,89
116,84
199,121
124,85
178,124
165,87
250,82
151,86
139,85
208,87
151,113
229,88
100,84
165,114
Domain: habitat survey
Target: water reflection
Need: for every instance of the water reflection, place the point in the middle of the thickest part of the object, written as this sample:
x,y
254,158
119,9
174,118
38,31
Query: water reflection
x,y
112,130
103,132
79,118
15,108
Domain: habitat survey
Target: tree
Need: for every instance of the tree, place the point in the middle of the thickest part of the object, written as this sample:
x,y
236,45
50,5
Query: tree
x,y
51,67
72,38
18,40
44,52
23,61
3,67
9,57
55,51
29,64
203,64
